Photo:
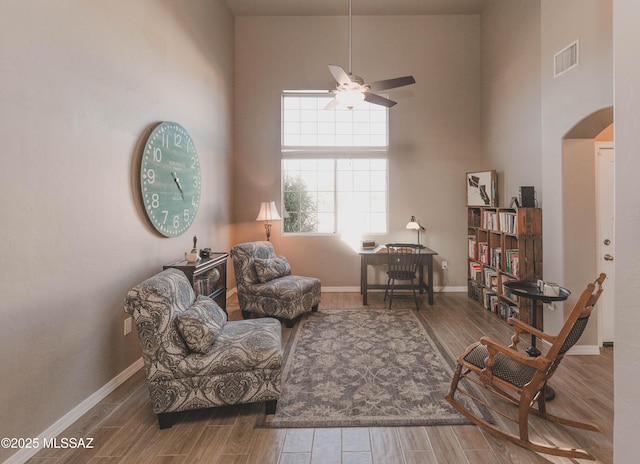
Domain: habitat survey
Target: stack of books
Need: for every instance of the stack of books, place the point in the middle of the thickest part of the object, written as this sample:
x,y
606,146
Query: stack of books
x,y
368,244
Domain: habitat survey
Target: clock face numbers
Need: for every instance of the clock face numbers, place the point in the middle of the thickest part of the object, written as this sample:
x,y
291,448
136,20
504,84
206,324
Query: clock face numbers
x,y
170,179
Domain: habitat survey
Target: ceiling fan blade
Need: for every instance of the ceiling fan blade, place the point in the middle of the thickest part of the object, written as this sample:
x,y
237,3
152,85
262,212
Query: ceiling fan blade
x,y
392,83
339,74
332,104
378,100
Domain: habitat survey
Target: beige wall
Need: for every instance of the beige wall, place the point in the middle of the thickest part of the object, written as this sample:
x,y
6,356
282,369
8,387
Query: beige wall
x,y
511,118
81,83
579,232
566,101
626,16
435,127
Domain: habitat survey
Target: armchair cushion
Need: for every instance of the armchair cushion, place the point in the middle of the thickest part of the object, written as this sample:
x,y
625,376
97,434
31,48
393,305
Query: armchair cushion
x,y
271,268
200,324
241,346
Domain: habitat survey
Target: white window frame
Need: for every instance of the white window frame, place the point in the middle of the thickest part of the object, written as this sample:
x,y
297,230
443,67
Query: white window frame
x,y
339,148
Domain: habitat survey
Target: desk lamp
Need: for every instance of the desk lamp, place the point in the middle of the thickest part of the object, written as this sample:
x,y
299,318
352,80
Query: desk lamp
x,y
415,225
268,212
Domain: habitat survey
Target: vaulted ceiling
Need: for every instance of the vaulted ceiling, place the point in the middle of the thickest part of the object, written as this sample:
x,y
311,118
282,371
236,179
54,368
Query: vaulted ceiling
x,y
360,7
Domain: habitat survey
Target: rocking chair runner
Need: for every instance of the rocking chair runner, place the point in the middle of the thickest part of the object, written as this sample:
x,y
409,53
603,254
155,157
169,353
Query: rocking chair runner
x,y
521,379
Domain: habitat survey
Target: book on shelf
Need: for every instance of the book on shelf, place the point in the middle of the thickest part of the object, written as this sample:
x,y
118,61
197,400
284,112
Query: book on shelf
x,y
508,310
489,299
515,265
474,290
504,310
490,278
494,304
511,260
473,247
508,222
473,218
475,272
505,290
203,285
483,252
490,220
496,257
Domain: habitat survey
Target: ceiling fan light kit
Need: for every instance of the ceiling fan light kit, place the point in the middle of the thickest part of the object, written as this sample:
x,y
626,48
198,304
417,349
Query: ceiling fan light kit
x,y
352,90
349,98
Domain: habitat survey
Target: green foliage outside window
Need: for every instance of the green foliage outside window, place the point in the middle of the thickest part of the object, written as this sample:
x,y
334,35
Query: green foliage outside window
x,y
301,210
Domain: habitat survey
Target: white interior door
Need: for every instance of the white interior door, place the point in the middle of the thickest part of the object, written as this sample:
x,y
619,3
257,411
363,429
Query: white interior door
x,y
606,245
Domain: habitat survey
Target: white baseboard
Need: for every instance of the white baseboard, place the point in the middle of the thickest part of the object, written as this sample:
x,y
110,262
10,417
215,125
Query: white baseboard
x,y
579,350
76,413
453,289
340,289
357,289
591,350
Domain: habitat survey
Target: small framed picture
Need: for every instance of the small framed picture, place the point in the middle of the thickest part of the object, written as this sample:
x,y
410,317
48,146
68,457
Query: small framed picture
x,y
482,188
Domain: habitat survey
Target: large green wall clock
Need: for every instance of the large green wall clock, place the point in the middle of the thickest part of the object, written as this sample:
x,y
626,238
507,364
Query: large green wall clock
x,y
170,179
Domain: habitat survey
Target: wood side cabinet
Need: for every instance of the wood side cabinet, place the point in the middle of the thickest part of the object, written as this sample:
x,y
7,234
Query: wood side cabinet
x,y
208,276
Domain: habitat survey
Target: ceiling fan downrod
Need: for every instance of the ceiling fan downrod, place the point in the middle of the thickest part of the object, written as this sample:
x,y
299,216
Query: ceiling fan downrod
x,y
350,32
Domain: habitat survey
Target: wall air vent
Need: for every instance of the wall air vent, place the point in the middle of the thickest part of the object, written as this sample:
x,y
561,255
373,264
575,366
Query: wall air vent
x,y
566,59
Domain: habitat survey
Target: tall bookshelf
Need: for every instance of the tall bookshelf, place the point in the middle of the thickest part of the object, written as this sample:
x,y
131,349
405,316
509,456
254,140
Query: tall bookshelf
x,y
504,244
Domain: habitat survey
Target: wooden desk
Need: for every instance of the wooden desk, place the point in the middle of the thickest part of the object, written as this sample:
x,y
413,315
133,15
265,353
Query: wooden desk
x,y
371,258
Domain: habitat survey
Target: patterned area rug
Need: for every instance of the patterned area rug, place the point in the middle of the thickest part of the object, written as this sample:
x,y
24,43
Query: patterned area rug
x,y
374,367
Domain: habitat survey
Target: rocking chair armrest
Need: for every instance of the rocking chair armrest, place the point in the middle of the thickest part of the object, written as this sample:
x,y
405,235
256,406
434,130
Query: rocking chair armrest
x,y
539,362
523,326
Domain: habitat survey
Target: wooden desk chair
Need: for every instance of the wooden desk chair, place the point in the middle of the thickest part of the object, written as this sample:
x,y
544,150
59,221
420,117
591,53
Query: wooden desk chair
x,y
521,379
403,261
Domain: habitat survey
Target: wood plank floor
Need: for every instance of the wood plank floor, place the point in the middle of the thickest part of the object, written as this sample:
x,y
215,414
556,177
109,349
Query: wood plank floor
x,y
125,429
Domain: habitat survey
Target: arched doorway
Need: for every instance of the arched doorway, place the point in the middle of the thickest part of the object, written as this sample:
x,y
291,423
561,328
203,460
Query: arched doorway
x,y
579,209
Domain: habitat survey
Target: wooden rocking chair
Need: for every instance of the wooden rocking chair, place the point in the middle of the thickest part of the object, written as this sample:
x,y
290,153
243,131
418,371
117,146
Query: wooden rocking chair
x,y
521,379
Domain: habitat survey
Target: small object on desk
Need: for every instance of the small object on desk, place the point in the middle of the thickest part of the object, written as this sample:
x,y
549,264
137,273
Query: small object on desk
x,y
550,289
205,253
192,257
368,244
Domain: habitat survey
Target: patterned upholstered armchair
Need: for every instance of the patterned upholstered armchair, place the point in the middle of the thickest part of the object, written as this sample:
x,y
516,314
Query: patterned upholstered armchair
x,y
267,288
194,358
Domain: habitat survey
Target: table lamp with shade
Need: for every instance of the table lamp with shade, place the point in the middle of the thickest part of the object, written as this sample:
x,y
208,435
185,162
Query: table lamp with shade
x,y
413,224
268,212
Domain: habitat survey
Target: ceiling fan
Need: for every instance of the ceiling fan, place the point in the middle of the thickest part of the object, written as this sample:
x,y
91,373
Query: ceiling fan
x,y
351,89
